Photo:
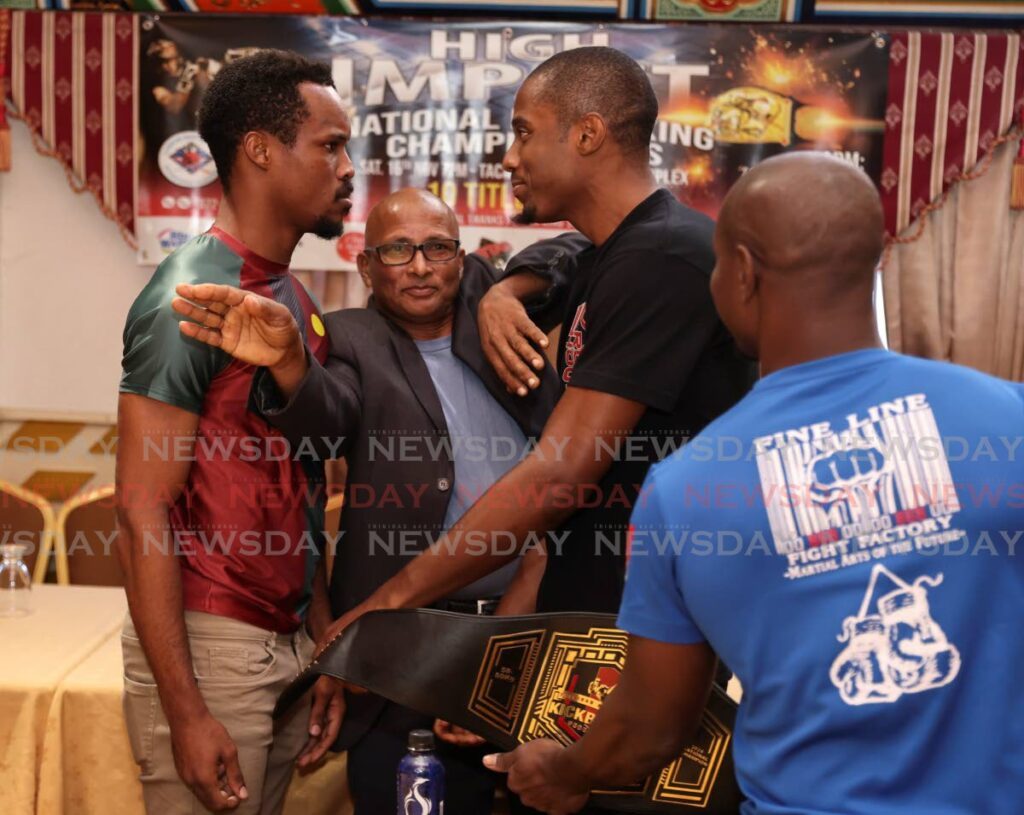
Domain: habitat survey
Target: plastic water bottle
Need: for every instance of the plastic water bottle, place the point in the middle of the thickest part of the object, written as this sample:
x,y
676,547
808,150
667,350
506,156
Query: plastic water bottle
x,y
420,777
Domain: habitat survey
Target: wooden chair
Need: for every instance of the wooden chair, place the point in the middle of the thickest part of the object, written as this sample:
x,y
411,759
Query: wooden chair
x,y
87,538
28,517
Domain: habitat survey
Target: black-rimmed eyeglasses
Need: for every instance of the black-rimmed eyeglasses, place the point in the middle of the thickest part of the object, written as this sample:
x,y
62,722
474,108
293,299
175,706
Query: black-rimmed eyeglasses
x,y
398,254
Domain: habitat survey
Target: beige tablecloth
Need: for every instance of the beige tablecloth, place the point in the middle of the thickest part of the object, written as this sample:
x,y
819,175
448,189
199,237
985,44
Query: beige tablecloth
x,y
68,623
65,748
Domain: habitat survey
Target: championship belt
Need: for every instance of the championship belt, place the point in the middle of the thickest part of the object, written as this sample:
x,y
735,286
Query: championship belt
x,y
515,679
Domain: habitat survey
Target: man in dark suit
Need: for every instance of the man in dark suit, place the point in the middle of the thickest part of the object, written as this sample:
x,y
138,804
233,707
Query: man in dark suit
x,y
426,426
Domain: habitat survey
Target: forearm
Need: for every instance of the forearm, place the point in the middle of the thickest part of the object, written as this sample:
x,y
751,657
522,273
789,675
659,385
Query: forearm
x,y
523,286
532,499
319,616
153,587
535,497
521,596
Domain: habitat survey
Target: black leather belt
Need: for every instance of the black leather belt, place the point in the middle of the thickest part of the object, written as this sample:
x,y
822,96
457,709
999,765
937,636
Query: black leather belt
x,y
515,679
486,606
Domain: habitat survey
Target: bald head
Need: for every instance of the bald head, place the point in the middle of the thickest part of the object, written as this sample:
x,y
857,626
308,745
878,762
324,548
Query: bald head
x,y
806,213
412,262
796,246
409,204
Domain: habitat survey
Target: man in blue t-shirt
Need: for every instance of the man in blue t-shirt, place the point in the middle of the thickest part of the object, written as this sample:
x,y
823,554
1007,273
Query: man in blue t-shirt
x,y
844,538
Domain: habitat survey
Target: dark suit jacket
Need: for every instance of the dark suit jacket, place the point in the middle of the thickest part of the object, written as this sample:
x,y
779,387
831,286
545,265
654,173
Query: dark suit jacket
x,y
376,392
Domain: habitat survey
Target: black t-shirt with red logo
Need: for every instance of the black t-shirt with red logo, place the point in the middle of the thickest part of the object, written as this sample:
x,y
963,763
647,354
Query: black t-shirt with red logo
x,y
640,324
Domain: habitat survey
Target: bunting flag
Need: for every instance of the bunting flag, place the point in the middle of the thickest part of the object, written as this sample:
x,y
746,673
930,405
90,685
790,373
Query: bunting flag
x,y
72,81
953,97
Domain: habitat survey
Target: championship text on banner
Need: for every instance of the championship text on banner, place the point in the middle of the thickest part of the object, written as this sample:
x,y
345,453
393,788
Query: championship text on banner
x,y
431,107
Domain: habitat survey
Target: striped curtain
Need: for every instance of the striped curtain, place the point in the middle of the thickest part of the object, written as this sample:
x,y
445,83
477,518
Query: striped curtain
x,y
952,98
72,80
954,273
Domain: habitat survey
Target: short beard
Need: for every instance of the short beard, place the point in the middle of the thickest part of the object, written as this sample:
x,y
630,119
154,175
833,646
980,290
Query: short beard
x,y
527,216
327,229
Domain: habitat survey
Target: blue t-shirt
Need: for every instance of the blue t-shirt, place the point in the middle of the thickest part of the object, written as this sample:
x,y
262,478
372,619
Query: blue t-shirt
x,y
846,539
486,443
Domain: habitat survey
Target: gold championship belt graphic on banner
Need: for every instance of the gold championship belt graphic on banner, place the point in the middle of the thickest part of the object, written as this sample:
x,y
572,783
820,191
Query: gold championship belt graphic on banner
x,y
515,679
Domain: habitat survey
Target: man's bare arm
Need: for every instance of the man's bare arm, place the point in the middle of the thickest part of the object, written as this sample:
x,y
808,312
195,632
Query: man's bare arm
x,y
155,442
328,695
649,717
521,595
535,496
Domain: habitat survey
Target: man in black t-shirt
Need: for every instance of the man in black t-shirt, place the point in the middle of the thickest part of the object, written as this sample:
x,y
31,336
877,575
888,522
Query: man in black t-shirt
x,y
645,360
639,325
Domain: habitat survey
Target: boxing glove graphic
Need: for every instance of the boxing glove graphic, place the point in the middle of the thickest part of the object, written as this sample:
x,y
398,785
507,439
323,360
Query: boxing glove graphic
x,y
900,649
920,658
859,671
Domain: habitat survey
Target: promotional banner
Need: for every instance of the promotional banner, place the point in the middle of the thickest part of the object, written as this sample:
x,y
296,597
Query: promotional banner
x,y
431,106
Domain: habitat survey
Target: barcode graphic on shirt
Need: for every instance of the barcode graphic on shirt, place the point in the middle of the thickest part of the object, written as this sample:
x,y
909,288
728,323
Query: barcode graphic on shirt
x,y
820,484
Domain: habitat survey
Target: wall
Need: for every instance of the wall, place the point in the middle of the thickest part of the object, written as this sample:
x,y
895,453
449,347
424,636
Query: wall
x,y
67,279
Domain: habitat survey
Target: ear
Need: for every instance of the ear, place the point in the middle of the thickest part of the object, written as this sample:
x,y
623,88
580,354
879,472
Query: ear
x,y
257,149
747,276
590,133
363,265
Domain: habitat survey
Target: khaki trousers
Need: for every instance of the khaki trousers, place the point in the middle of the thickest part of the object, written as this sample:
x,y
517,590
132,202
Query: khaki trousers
x,y
240,670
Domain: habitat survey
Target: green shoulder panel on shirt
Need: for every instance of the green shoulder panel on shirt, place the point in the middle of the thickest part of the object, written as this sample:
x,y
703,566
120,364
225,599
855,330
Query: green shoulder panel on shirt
x,y
159,361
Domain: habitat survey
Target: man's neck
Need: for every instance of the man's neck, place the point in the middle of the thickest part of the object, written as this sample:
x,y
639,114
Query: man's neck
x,y
419,331
806,341
259,230
606,202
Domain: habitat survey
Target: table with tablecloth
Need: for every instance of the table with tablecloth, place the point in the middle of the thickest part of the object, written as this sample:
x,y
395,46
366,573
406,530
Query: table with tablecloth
x,y
39,651
65,748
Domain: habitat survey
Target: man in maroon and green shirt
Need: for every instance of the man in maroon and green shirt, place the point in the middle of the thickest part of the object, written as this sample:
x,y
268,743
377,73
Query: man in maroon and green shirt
x,y
220,519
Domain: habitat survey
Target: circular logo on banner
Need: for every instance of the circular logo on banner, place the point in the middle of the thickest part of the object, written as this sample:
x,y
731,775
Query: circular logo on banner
x,y
171,239
185,160
350,245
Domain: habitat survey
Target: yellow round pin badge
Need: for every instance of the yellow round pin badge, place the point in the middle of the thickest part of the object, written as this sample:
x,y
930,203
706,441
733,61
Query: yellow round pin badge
x,y
318,325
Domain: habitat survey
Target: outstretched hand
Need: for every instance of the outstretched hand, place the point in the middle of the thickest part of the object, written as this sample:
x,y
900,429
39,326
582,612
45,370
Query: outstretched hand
x,y
251,328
